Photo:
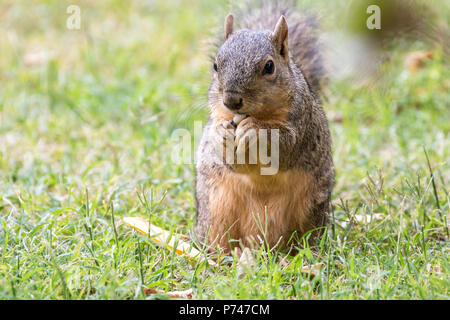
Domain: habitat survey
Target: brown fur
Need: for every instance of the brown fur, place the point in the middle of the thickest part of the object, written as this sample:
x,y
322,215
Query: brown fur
x,y
240,204
235,203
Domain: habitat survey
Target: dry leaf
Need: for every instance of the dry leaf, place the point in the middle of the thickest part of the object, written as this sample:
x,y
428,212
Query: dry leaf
x,y
246,259
185,294
313,270
148,291
416,60
434,269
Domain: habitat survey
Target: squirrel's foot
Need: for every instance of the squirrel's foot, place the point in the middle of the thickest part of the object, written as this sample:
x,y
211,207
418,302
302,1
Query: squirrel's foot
x,y
246,138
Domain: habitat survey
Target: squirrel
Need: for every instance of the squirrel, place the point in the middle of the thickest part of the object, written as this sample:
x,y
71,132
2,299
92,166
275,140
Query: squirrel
x,y
268,76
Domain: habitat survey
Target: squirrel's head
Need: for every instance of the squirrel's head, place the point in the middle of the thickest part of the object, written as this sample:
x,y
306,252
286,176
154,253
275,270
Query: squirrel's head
x,y
252,71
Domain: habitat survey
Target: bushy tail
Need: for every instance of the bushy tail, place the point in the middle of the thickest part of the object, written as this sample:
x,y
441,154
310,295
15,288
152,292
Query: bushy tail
x,y
303,35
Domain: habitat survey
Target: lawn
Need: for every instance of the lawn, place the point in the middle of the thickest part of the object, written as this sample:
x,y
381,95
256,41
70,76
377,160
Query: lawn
x,y
86,123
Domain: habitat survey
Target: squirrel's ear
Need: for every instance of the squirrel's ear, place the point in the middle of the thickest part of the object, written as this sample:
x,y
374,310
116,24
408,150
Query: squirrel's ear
x,y
228,25
280,36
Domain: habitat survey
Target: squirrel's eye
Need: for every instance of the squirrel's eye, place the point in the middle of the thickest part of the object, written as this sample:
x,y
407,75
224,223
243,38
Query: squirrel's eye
x,y
269,67
215,66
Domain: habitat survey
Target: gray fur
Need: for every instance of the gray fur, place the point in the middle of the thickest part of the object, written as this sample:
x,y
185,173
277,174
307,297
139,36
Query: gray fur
x,y
304,41
305,142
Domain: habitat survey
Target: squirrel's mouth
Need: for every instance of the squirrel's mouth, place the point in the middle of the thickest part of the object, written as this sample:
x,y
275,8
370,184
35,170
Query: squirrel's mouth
x,y
242,111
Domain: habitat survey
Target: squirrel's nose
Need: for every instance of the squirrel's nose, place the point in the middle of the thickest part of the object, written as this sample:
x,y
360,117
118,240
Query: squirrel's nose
x,y
232,100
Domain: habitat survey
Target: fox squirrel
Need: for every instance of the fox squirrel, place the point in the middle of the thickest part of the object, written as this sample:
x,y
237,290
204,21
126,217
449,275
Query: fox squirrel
x,y
266,76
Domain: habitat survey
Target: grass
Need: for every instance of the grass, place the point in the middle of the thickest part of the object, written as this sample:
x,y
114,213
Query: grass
x,y
85,136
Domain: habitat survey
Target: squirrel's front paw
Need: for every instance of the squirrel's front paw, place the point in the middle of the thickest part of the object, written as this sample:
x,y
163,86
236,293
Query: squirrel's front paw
x,y
246,139
224,134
